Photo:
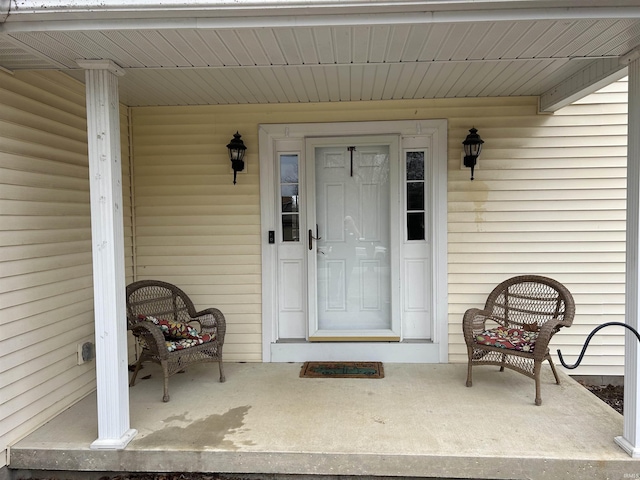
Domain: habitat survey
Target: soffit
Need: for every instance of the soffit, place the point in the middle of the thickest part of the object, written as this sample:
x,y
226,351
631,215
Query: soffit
x,y
189,64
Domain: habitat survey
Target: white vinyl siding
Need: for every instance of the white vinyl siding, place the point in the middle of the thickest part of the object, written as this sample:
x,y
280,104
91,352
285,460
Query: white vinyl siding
x,y
548,198
46,285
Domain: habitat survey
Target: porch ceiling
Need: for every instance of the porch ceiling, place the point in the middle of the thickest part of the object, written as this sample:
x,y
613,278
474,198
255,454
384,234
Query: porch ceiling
x,y
370,51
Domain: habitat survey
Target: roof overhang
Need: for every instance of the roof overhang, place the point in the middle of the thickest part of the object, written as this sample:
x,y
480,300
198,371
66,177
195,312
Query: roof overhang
x,y
266,51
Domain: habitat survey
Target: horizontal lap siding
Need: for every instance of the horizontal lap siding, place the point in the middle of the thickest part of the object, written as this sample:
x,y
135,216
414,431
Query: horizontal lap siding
x,y
548,198
46,284
194,227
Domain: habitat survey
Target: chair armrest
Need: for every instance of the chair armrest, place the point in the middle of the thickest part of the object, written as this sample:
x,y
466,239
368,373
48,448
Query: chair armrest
x,y
152,337
473,322
547,330
212,320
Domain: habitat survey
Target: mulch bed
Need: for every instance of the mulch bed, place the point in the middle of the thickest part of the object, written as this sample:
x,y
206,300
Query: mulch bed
x,y
183,476
612,395
165,476
156,476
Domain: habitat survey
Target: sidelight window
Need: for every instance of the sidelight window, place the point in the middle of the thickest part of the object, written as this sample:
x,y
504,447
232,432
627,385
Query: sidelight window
x,y
415,200
289,197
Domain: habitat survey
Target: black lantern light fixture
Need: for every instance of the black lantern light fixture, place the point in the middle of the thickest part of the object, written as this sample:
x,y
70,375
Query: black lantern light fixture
x,y
472,148
236,154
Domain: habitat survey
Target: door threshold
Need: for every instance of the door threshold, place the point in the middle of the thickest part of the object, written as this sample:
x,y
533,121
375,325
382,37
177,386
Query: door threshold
x,y
322,338
391,352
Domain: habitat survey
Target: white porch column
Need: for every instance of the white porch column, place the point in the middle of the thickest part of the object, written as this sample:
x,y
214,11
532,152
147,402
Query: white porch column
x,y
630,440
105,176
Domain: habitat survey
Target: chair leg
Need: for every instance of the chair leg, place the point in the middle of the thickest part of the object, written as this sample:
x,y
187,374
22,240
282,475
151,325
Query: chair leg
x,y
165,370
132,382
222,377
536,374
553,369
504,359
469,380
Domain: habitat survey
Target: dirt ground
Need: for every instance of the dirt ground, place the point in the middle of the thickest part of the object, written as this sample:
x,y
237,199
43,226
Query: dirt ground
x,y
166,476
610,394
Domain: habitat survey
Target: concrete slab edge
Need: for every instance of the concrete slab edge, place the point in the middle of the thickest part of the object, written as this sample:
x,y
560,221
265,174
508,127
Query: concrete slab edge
x,y
329,464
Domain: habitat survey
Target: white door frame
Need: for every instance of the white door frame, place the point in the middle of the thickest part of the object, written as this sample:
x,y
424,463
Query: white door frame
x,y
433,132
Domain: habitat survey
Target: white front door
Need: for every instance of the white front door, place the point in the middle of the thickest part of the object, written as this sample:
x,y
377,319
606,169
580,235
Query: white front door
x,y
351,248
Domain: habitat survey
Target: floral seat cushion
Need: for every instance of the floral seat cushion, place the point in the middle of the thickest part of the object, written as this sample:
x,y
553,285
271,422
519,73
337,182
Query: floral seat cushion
x,y
179,335
181,344
509,338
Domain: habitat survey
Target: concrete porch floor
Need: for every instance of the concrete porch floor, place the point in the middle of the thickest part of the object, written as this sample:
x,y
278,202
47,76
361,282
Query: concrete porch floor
x,y
419,421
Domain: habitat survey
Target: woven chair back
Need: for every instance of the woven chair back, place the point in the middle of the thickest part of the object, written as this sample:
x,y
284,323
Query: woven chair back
x,y
163,301
530,299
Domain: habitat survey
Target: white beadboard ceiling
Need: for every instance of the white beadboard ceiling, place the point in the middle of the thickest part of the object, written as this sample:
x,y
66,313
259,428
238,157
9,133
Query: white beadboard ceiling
x,y
329,58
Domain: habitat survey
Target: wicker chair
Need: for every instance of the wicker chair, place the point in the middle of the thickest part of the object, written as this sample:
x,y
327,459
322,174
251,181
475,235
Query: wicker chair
x,y
150,301
528,309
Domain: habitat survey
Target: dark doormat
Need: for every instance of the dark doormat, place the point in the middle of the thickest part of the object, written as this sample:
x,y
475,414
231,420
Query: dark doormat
x,y
342,370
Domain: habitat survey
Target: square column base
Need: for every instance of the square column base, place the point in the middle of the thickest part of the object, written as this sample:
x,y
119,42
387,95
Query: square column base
x,y
114,443
634,452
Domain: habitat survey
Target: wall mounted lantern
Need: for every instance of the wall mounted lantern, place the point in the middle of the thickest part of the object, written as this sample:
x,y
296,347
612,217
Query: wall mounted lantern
x,y
236,154
472,147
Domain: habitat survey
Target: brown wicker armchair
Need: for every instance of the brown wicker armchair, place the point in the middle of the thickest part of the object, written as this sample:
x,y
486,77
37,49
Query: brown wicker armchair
x,y
528,310
163,318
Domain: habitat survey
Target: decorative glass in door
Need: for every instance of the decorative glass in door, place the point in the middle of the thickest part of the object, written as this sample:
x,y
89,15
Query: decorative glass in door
x,y
353,238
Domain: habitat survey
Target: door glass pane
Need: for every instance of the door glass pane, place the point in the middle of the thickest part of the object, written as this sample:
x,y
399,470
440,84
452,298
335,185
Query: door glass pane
x,y
415,226
353,251
415,207
289,198
290,228
415,196
289,168
415,165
